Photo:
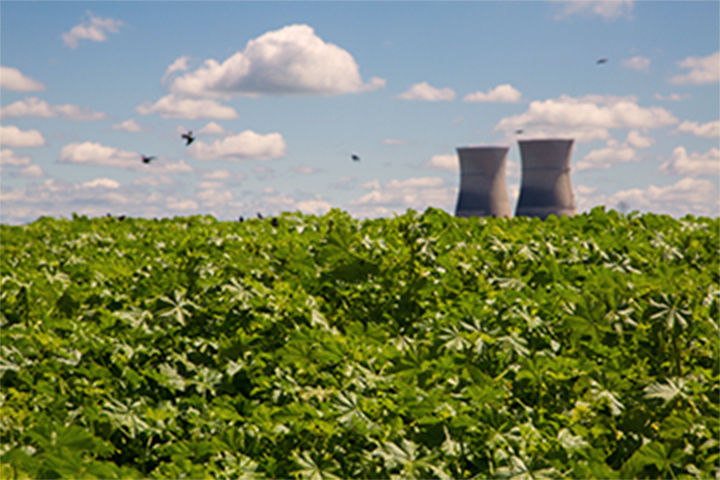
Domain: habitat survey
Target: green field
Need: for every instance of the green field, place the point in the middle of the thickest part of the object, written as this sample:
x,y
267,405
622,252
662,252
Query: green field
x,y
421,346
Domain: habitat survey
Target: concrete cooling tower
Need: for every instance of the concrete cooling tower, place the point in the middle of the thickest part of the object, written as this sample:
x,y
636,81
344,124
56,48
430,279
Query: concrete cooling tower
x,y
545,187
483,191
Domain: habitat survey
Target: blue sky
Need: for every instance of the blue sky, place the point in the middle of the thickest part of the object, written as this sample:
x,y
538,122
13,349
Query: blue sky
x,y
281,94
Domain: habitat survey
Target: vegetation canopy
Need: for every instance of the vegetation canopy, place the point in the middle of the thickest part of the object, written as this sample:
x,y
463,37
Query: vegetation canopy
x,y
421,346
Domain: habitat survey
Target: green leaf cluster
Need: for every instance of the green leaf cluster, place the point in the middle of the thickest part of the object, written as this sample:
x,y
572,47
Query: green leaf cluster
x,y
420,346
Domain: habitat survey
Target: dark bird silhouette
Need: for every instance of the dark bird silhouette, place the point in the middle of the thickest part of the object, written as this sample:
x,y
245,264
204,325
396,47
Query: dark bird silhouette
x,y
275,222
147,159
241,219
121,217
188,137
518,132
259,215
355,158
601,61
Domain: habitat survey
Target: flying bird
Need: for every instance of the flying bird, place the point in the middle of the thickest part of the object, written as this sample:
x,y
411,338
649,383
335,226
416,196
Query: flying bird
x,y
601,61
188,137
259,215
147,159
355,158
518,132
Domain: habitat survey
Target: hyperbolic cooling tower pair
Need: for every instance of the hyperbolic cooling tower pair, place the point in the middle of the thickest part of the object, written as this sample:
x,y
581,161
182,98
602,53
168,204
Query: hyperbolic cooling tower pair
x,y
545,187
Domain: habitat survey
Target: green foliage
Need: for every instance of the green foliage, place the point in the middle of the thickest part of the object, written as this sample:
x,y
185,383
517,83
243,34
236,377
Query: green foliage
x,y
422,346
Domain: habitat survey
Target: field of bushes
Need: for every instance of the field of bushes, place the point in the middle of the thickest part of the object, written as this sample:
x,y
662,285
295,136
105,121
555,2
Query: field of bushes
x,y
420,346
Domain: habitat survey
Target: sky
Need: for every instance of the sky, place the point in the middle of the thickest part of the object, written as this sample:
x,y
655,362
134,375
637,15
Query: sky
x,y
280,95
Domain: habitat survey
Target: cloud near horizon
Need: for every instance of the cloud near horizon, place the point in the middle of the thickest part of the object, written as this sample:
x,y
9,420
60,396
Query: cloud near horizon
x,y
290,61
399,195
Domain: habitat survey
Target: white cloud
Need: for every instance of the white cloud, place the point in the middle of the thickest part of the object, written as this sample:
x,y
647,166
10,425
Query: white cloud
x,y
399,195
244,145
314,206
12,79
637,63
128,126
444,162
31,171
153,180
181,205
34,107
223,174
292,60
304,170
95,29
615,152
604,158
584,119
707,130
212,197
689,195
263,173
90,153
636,140
513,169
673,97
8,157
344,183
695,196
179,65
12,136
174,106
702,70
502,93
395,141
423,91
101,183
213,128
608,9
693,165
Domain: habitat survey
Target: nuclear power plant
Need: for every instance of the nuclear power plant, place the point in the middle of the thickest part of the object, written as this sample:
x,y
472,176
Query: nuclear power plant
x,y
545,186
483,192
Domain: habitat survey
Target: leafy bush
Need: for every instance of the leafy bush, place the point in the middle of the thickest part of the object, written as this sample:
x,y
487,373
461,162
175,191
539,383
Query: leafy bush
x,y
322,347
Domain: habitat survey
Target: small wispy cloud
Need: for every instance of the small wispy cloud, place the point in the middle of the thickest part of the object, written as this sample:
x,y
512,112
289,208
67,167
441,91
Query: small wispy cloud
x,y
637,63
500,94
423,91
34,107
608,9
128,126
94,29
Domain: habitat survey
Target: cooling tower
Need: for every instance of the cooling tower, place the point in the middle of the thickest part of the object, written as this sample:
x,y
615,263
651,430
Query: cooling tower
x,y
545,187
483,191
